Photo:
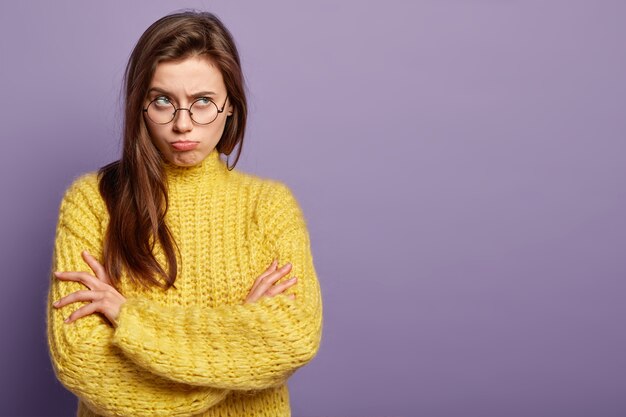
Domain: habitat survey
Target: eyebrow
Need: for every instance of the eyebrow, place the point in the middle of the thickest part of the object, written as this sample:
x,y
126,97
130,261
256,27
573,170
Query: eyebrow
x,y
199,93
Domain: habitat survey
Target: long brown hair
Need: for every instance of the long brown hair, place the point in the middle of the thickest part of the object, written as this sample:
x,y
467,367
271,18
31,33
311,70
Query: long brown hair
x,y
134,187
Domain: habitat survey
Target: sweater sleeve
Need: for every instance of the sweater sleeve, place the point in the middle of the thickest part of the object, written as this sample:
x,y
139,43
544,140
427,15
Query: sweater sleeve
x,y
238,347
83,357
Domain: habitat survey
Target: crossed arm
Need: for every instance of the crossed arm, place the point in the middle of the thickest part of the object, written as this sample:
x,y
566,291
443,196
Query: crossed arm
x,y
144,359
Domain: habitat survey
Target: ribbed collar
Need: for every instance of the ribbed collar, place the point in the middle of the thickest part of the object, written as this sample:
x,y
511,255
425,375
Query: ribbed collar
x,y
212,168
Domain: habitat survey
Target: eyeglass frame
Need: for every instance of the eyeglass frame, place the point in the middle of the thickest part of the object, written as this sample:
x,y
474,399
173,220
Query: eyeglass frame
x,y
145,110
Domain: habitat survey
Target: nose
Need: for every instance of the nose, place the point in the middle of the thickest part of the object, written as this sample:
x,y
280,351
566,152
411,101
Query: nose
x,y
182,120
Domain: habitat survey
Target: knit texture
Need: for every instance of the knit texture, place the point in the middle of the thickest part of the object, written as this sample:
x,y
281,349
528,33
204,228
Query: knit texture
x,y
197,349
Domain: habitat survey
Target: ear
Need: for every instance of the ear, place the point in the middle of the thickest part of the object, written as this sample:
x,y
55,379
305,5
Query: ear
x,y
229,112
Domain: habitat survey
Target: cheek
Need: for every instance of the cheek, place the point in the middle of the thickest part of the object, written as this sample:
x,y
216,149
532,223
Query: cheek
x,y
210,133
219,128
156,134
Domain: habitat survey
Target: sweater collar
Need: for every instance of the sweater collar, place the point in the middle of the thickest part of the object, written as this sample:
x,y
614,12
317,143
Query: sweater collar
x,y
210,169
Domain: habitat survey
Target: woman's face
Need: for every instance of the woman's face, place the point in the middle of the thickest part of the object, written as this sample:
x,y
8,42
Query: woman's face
x,y
182,141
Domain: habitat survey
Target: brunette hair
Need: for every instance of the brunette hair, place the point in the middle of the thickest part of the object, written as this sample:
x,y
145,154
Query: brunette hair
x,y
134,187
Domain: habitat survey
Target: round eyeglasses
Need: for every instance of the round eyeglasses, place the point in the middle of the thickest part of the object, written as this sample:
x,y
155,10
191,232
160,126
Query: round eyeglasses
x,y
202,111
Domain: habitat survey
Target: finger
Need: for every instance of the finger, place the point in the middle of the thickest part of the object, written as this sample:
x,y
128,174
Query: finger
x,y
95,266
82,312
83,277
279,288
265,273
269,280
83,295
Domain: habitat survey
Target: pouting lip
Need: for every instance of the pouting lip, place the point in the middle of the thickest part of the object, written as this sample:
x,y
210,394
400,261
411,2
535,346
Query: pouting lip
x,y
185,141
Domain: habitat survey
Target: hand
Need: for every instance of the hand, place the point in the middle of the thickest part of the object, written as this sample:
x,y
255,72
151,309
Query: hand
x,y
264,284
104,298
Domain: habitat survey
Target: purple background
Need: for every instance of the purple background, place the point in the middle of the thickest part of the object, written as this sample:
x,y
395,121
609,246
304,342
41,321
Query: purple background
x,y
461,165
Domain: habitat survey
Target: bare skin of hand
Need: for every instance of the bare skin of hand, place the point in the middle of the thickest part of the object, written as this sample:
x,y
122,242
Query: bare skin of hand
x,y
104,298
265,285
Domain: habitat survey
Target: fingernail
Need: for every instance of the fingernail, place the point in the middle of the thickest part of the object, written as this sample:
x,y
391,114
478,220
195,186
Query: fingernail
x,y
56,303
294,279
287,265
56,274
67,320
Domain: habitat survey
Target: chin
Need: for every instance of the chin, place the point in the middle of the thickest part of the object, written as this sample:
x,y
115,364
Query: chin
x,y
186,159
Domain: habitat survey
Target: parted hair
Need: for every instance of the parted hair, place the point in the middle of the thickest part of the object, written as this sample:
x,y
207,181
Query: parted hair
x,y
134,187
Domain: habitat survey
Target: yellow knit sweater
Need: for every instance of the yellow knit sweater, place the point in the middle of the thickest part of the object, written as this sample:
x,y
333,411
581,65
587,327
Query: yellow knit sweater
x,y
196,350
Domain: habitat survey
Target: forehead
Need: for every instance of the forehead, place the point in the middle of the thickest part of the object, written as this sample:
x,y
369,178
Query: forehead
x,y
191,74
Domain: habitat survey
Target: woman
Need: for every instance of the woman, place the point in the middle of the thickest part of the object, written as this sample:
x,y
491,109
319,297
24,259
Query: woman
x,y
161,258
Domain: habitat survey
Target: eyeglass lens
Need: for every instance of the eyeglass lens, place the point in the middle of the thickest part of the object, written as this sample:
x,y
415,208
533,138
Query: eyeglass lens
x,y
162,111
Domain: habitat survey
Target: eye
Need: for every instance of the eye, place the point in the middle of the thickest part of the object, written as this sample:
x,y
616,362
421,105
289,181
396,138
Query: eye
x,y
202,102
162,101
